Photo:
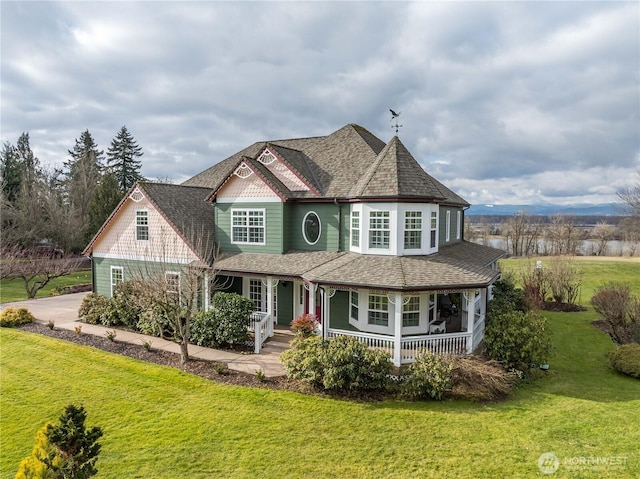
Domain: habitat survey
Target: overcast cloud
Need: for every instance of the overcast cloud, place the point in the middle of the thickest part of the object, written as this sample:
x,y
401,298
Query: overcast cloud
x,y
505,102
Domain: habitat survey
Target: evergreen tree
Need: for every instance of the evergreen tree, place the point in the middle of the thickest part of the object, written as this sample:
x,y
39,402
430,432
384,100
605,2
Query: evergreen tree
x,y
105,198
66,450
81,176
123,156
29,163
10,172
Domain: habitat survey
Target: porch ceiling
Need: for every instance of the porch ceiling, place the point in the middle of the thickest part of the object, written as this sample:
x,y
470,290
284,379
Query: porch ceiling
x,y
461,265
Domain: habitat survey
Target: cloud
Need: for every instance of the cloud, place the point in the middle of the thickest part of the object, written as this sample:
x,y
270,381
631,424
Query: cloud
x,y
502,101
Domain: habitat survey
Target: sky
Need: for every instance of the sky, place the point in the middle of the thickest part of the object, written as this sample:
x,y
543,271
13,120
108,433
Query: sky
x,y
503,102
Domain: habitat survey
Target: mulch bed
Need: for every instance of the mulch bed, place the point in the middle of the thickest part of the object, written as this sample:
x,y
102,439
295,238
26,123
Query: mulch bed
x,y
205,369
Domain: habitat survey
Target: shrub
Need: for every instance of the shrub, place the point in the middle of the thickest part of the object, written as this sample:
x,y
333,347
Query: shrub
x,y
626,359
94,309
231,322
12,317
126,308
154,323
305,325
517,340
428,377
506,296
478,380
339,364
619,309
302,361
203,328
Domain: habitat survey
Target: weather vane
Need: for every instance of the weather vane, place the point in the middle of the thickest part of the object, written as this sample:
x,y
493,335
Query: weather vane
x,y
394,116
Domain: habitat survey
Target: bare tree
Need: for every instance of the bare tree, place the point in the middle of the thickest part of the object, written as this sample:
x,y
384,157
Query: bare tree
x,y
36,267
170,295
562,235
602,234
522,234
631,195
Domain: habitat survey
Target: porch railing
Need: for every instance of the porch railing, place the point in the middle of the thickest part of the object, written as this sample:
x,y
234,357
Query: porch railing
x,y
262,326
452,343
377,341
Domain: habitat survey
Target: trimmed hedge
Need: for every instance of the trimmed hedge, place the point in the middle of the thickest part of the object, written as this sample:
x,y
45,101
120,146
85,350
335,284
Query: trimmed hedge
x,y
626,359
12,317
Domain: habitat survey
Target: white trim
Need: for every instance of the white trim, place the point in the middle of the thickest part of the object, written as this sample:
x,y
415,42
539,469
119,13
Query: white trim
x,y
447,227
155,259
263,227
304,220
176,273
111,270
249,199
458,225
148,217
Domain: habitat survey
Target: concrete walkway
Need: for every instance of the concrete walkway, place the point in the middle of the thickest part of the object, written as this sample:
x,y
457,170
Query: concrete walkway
x,y
63,311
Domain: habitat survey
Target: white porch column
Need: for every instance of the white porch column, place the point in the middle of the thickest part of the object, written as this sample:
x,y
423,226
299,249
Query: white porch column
x,y
325,310
207,299
312,299
470,296
397,339
270,302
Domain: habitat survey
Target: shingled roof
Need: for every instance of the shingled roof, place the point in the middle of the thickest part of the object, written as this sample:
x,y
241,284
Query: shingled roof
x,y
333,163
457,266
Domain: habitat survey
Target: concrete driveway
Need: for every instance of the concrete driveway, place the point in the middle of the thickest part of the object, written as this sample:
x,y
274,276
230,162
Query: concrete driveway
x,y
59,309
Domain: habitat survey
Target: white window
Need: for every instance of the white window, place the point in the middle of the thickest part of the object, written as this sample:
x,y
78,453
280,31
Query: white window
x,y
142,225
378,313
434,230
448,227
379,232
411,312
248,226
413,230
355,229
354,306
458,224
117,277
172,280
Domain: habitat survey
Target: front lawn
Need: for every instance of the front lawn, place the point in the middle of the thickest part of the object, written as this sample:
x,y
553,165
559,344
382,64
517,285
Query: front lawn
x,y
13,289
162,423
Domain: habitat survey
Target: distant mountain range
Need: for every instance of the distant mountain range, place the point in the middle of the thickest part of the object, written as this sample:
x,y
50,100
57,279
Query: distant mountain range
x,y
605,209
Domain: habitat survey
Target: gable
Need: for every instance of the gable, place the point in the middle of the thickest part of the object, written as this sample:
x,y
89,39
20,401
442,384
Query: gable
x,y
118,237
282,171
244,183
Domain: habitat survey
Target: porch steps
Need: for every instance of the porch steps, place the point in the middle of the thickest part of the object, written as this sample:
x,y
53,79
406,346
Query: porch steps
x,y
279,341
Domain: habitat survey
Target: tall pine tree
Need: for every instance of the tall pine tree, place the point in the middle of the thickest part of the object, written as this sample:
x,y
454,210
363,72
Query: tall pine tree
x,y
105,199
123,156
81,176
10,172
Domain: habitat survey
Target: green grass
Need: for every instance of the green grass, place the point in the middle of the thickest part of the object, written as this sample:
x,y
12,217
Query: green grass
x,y
596,272
162,423
13,289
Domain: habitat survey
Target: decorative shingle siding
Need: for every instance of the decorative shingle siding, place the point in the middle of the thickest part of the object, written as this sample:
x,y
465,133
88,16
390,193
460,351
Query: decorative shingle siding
x,y
250,187
119,239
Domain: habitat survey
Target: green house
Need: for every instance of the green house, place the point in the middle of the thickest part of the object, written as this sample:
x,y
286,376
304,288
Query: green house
x,y
341,226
